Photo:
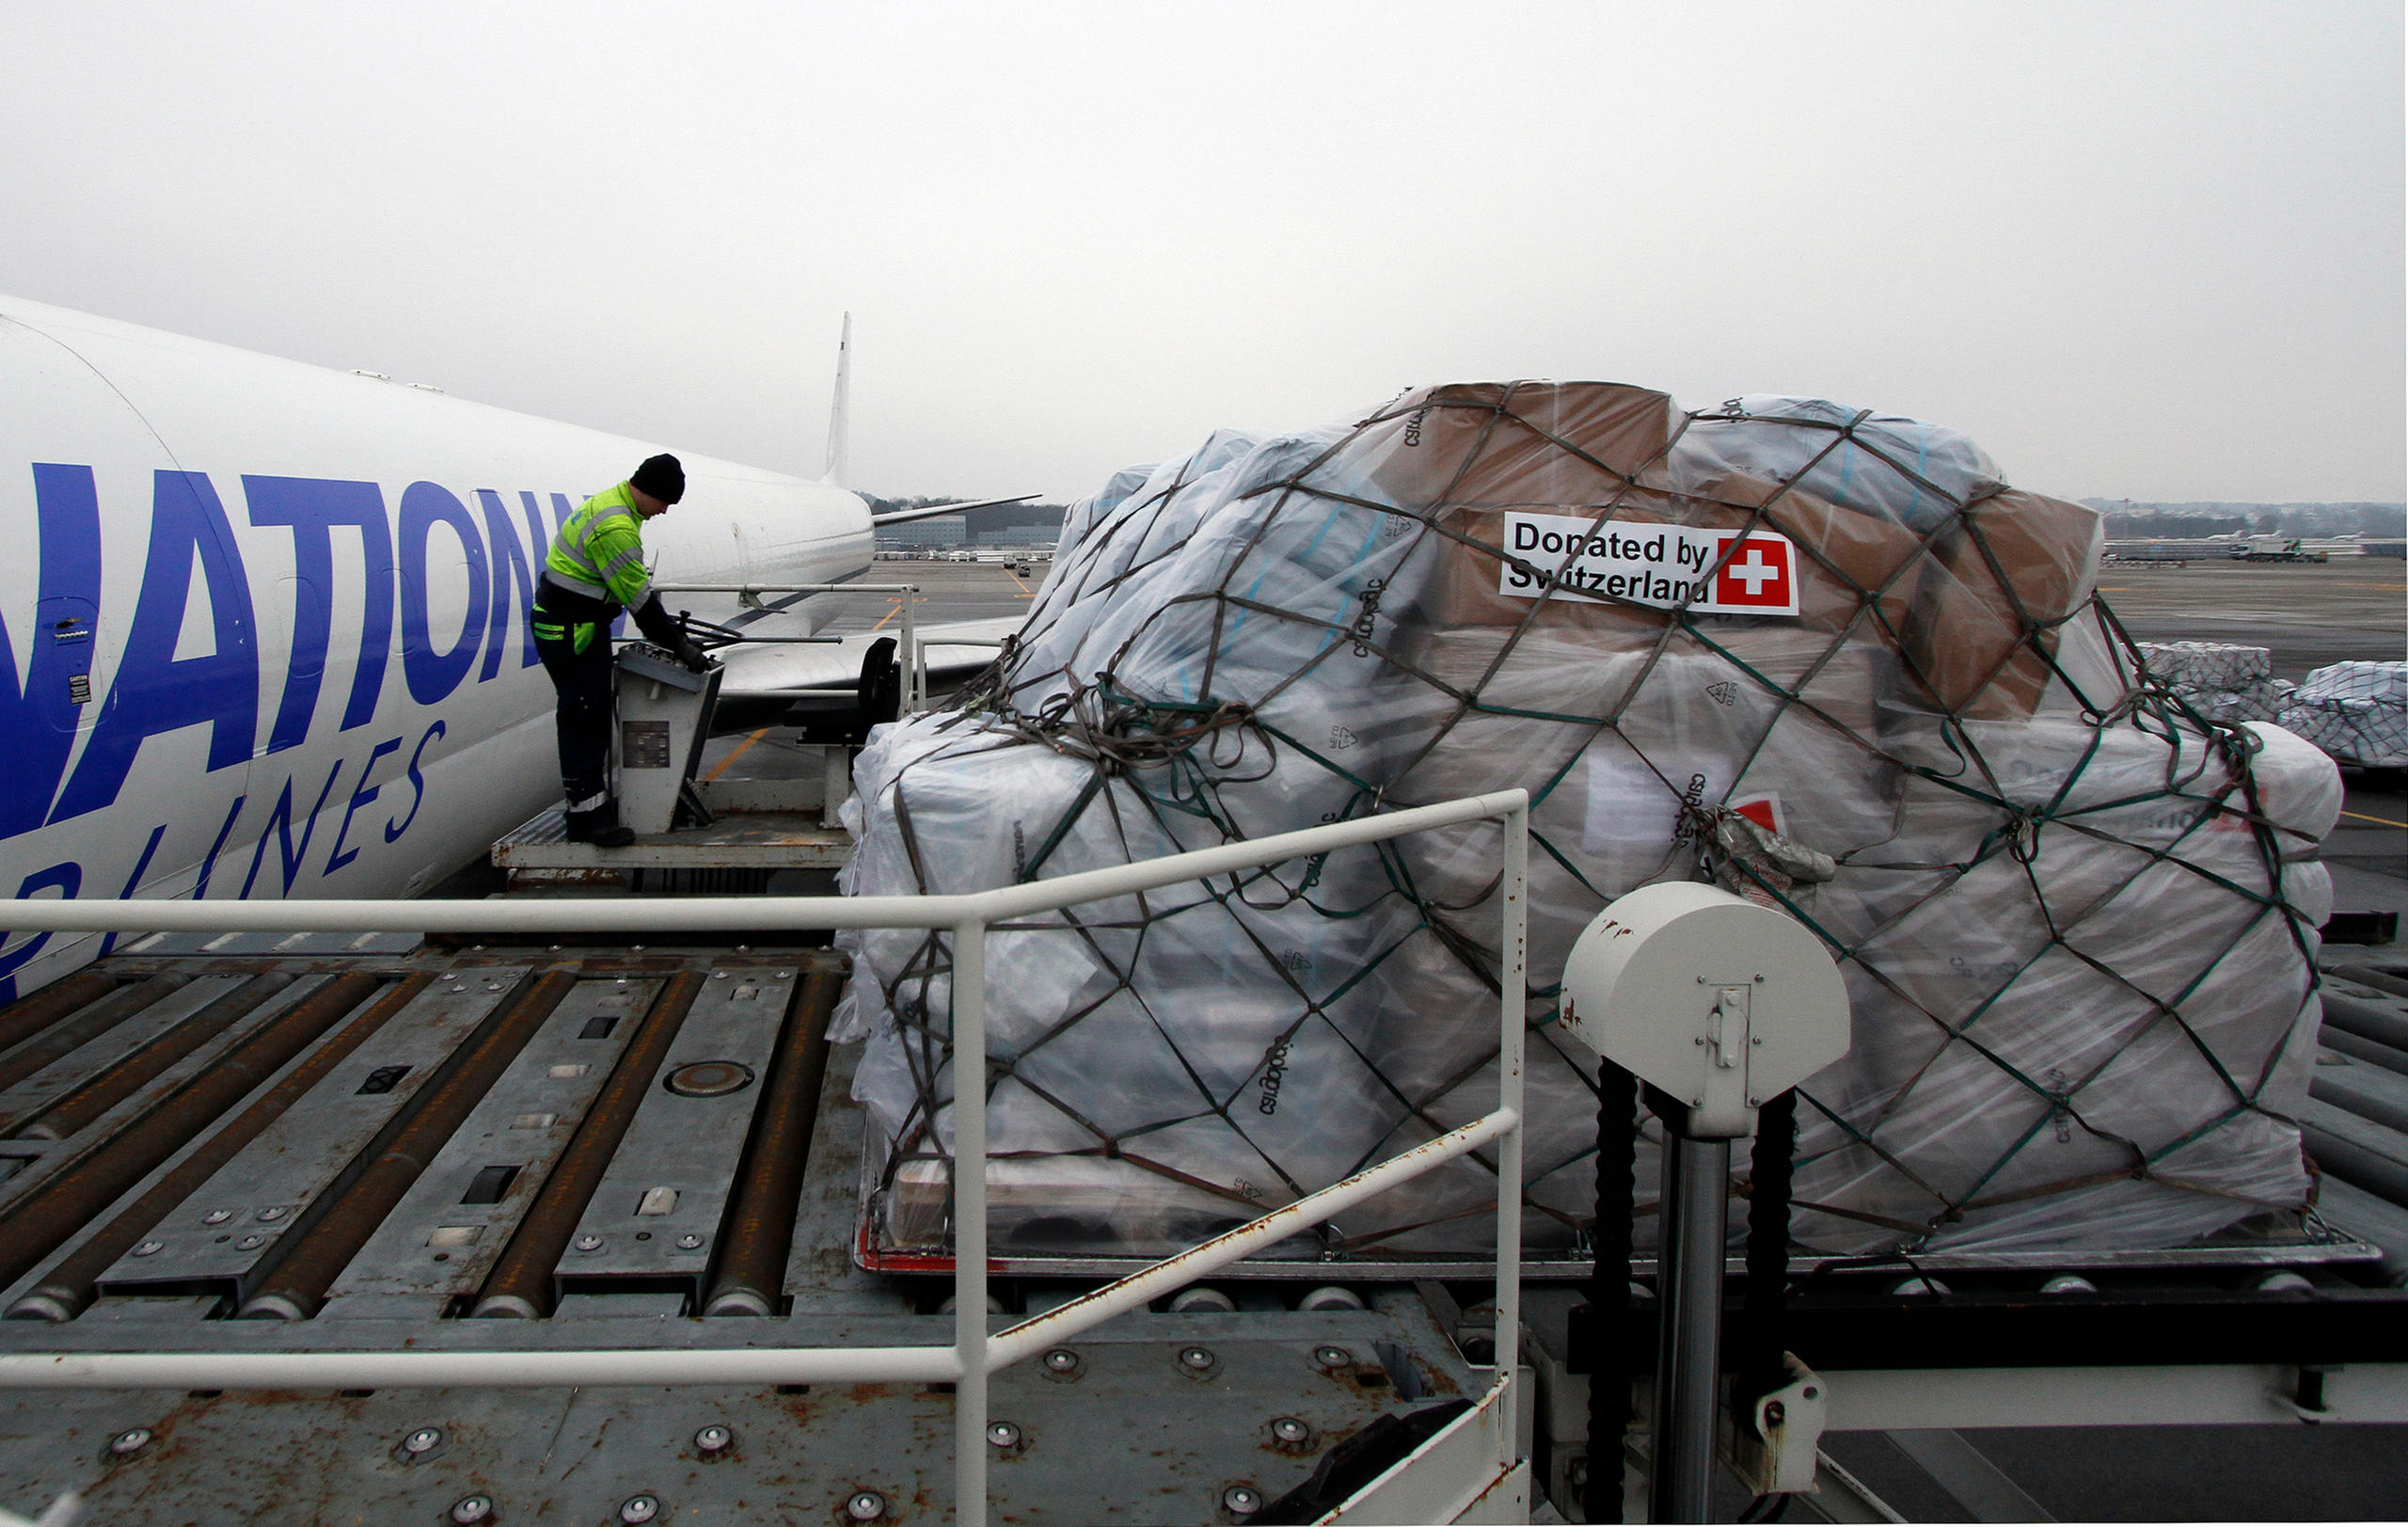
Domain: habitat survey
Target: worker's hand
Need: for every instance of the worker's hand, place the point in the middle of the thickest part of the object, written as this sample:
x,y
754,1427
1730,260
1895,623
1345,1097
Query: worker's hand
x,y
691,656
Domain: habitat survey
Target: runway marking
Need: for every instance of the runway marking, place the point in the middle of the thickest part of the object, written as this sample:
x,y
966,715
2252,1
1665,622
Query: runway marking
x,y
1024,590
2385,821
721,766
892,614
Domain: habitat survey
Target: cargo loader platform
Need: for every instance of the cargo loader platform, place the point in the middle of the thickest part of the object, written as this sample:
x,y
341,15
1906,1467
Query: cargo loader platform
x,y
778,816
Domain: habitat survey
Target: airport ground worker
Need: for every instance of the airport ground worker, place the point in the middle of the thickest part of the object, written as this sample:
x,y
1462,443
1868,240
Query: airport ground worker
x,y
595,569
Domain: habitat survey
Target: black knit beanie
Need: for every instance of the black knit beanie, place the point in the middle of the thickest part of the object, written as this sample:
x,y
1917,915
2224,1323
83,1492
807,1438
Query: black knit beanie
x,y
662,477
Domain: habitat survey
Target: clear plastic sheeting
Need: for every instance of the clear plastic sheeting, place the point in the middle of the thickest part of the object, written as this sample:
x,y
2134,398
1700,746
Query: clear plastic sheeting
x,y
2222,681
2356,711
1824,657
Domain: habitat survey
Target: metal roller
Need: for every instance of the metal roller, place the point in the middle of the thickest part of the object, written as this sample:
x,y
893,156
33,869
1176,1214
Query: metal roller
x,y
61,1038
297,1286
520,1285
66,1290
115,1083
22,1020
760,1224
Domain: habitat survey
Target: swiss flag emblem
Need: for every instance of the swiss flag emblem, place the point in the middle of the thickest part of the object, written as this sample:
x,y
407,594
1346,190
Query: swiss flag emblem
x,y
1758,575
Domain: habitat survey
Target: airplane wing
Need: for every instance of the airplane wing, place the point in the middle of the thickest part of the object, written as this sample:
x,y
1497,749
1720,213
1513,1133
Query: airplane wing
x,y
929,511
780,683
958,648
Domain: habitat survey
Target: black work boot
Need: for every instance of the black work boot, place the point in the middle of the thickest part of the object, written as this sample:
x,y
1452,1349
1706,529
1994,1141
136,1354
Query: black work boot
x,y
600,827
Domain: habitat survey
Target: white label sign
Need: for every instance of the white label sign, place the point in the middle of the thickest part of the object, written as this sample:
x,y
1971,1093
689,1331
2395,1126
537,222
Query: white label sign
x,y
1712,572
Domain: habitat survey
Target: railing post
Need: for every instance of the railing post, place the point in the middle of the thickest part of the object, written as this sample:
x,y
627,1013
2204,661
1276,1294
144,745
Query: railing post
x,y
1514,976
914,682
970,1222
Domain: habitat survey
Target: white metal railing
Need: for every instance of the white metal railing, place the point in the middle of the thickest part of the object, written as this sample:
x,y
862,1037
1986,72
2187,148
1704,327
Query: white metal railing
x,y
975,1353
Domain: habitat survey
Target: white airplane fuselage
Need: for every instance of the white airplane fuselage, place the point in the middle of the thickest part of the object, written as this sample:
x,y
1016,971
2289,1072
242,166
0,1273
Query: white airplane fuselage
x,y
268,632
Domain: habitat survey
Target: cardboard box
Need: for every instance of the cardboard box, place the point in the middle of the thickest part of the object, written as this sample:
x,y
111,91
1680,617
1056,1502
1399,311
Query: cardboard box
x,y
1997,583
1490,443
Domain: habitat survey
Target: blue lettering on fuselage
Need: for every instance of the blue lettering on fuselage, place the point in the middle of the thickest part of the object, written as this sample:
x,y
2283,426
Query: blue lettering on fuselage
x,y
155,691
37,722
312,507
433,673
66,880
513,579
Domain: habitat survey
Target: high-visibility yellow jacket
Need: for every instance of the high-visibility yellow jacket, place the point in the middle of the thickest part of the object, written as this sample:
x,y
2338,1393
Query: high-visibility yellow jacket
x,y
599,551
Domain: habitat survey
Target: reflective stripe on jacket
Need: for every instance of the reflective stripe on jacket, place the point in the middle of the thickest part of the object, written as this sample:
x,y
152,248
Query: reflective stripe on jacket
x,y
599,552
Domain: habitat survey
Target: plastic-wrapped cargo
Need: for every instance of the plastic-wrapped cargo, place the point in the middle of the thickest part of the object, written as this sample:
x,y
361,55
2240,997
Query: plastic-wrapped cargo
x,y
2356,711
2222,682
1823,656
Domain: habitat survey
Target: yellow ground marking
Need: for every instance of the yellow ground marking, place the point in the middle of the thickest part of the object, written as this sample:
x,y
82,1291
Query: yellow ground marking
x,y
892,614
1024,590
721,766
2381,822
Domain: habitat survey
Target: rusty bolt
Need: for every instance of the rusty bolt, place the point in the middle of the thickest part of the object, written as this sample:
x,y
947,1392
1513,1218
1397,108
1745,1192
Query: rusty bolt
x,y
1240,1499
637,1509
865,1506
422,1442
1775,1412
1290,1431
1333,1357
714,1440
126,1443
469,1510
1003,1434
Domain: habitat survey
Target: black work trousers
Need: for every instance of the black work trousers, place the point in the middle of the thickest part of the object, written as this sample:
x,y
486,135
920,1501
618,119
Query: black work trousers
x,y
582,677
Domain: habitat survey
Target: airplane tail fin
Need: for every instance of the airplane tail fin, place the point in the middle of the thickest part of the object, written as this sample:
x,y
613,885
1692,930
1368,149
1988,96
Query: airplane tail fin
x,y
839,464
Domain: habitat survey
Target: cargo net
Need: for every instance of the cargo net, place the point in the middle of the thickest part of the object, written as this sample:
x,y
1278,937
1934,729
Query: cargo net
x,y
1822,657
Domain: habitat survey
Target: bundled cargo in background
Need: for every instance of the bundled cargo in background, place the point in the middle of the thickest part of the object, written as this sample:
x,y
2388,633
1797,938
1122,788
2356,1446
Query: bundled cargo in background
x,y
2356,711
2223,682
1825,657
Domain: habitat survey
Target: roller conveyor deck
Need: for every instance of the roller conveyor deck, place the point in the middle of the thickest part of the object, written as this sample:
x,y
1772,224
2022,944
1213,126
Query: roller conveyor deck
x,y
359,1143
347,1143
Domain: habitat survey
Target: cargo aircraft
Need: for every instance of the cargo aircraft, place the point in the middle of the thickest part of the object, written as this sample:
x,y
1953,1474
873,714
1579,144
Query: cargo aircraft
x,y
269,635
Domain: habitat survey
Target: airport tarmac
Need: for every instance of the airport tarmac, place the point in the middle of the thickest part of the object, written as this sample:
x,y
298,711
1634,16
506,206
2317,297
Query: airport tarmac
x,y
2309,613
948,591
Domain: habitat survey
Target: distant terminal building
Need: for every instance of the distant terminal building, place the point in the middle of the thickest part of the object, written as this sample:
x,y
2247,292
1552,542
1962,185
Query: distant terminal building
x,y
940,530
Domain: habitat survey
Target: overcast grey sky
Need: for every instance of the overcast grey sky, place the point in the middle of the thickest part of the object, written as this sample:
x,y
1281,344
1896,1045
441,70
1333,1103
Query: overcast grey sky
x,y
2145,251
